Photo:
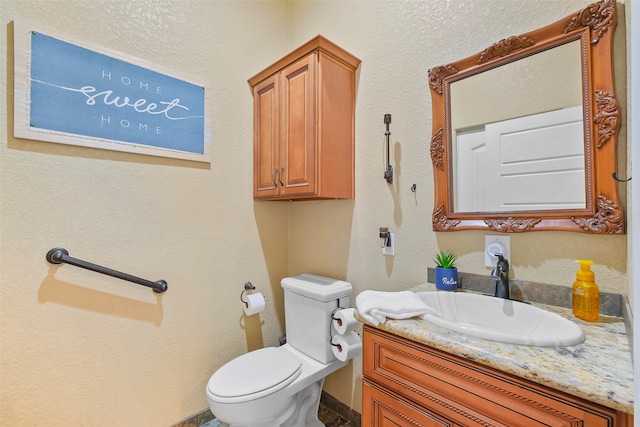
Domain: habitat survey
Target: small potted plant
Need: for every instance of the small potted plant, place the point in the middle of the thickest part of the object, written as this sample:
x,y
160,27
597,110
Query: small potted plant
x,y
446,271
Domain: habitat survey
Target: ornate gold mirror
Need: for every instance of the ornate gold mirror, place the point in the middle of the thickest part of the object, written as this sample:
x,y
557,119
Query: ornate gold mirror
x,y
525,132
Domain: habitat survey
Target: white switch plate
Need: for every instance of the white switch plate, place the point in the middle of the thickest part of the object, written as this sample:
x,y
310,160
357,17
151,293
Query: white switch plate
x,y
390,250
489,248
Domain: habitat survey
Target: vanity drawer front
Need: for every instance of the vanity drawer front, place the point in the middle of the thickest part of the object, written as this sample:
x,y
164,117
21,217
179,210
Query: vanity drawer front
x,y
382,408
468,393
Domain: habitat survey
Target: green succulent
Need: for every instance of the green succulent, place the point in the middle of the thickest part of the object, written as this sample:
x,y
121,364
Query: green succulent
x,y
445,259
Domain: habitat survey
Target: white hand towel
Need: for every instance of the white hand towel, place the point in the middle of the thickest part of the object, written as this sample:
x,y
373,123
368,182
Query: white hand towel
x,y
376,306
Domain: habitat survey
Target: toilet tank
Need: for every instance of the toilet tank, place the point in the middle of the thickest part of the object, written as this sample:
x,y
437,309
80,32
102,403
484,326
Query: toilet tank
x,y
309,301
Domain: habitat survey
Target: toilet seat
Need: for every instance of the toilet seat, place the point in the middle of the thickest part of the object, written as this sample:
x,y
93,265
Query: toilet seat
x,y
254,375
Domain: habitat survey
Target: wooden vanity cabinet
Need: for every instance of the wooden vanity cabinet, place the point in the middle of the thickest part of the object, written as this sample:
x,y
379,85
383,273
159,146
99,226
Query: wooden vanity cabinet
x,y
410,384
303,124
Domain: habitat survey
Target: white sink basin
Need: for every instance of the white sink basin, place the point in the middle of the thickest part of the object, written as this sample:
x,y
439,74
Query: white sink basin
x,y
501,320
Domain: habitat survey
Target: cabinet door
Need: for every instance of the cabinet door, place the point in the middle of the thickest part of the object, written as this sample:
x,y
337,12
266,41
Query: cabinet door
x,y
266,130
381,409
298,141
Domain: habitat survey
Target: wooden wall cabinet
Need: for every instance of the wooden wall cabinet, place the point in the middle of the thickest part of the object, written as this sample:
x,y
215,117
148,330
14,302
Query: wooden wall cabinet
x,y
410,384
304,124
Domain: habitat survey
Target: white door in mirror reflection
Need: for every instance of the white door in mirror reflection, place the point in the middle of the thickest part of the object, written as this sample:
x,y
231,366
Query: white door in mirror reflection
x,y
528,163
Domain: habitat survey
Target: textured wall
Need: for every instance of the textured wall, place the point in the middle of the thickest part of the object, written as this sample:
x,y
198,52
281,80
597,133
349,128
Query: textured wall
x,y
79,348
398,41
83,349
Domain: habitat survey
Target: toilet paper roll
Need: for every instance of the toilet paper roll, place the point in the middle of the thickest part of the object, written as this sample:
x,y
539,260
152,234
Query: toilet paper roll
x,y
254,304
347,346
345,321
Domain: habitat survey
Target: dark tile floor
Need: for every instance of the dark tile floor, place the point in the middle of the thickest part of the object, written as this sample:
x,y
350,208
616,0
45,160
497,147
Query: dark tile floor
x,y
329,417
332,413
332,419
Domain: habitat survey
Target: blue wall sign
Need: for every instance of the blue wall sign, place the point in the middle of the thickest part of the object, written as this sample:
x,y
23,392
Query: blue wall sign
x,y
81,92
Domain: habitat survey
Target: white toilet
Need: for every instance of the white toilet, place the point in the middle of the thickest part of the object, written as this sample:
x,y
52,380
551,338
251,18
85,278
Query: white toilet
x,y
281,386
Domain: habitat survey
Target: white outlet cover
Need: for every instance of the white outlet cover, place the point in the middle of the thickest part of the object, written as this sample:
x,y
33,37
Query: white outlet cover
x,y
493,245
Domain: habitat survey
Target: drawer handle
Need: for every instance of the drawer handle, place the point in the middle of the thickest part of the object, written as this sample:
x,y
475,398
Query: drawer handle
x,y
280,177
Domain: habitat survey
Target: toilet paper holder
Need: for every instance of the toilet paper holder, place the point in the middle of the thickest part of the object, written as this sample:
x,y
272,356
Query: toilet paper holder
x,y
347,343
333,313
248,286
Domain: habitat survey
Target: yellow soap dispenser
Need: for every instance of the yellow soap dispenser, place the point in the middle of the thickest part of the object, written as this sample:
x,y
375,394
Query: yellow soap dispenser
x,y
586,294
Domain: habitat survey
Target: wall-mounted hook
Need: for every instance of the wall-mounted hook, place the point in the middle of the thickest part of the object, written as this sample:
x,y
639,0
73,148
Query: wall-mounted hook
x,y
413,188
615,176
388,172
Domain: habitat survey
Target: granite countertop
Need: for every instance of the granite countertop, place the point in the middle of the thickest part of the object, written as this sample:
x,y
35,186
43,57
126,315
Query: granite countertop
x,y
599,370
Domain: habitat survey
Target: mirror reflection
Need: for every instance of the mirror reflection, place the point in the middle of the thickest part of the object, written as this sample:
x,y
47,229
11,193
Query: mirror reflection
x,y
513,155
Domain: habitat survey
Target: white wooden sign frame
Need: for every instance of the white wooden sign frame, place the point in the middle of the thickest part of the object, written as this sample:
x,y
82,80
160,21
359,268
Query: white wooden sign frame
x,y
155,109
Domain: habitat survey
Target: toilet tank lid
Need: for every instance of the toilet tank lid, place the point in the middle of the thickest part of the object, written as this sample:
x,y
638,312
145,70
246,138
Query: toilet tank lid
x,y
317,287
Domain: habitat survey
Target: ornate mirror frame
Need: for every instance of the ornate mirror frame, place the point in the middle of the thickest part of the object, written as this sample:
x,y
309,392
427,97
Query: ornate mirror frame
x,y
594,26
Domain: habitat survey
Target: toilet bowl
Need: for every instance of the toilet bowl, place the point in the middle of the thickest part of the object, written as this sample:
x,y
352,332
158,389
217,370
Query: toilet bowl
x,y
281,386
273,386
